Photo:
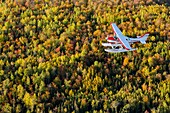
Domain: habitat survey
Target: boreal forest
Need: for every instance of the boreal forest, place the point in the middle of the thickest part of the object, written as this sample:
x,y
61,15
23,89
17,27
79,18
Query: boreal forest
x,y
52,59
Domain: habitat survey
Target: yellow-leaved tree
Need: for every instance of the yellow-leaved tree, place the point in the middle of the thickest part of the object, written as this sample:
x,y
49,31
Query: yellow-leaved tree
x,y
29,100
126,61
97,33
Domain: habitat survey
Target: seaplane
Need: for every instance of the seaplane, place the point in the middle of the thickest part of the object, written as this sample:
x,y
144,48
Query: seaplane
x,y
121,43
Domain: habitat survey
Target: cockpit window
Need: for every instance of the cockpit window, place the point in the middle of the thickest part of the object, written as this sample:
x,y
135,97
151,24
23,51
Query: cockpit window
x,y
115,37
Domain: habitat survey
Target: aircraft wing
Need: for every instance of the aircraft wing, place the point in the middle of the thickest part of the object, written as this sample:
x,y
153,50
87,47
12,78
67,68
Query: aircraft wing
x,y
121,37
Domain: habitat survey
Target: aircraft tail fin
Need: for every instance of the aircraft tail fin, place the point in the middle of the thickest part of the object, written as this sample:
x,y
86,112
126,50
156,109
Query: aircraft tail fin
x,y
144,38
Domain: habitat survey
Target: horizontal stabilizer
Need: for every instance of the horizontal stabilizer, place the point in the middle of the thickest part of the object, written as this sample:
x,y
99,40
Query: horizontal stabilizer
x,y
143,42
144,38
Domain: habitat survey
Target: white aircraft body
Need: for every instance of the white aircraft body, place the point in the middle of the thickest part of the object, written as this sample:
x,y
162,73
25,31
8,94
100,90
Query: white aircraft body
x,y
121,43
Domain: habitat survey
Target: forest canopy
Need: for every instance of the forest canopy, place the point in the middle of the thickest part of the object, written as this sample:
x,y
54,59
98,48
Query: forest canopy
x,y
52,60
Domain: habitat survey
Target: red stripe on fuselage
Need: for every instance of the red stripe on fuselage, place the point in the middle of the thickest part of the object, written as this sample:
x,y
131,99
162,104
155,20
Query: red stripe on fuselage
x,y
110,38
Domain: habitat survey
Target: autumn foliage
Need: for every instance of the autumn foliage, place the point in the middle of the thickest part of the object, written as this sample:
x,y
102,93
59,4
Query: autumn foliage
x,y
52,60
